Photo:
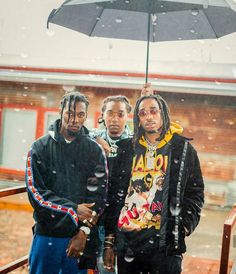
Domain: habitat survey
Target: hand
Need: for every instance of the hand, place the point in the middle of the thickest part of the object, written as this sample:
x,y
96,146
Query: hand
x,y
147,90
104,145
87,215
77,245
109,259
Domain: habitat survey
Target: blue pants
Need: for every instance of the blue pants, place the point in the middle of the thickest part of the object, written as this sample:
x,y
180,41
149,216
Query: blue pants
x,y
48,256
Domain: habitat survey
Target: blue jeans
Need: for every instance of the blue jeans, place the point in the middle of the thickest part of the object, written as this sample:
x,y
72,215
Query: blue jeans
x,y
101,236
48,256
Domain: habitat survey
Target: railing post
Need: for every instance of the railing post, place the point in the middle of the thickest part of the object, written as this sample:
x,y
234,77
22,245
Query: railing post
x,y
228,224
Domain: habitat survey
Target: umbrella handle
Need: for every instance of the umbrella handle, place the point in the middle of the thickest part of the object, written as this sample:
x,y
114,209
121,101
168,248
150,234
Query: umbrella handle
x,y
147,55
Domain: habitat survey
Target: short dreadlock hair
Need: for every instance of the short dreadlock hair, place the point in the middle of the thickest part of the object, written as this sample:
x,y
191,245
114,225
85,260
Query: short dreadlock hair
x,y
71,98
114,98
117,98
165,115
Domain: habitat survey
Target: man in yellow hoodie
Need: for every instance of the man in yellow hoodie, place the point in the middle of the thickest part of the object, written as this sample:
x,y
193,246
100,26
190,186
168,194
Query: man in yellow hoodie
x,y
156,194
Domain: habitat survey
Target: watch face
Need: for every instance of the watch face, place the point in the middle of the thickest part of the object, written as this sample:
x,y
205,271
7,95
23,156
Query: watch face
x,y
85,229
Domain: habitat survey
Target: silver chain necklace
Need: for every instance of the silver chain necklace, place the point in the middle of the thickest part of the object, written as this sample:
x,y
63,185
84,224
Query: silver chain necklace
x,y
150,155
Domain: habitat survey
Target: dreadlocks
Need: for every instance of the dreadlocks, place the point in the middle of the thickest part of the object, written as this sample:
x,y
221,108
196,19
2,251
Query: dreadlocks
x,y
71,98
115,98
138,131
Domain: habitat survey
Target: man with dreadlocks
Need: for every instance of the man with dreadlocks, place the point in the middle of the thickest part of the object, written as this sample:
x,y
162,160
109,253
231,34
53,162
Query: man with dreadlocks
x,y
115,110
66,181
152,226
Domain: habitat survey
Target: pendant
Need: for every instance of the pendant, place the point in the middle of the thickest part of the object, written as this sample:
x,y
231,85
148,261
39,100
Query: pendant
x,y
150,161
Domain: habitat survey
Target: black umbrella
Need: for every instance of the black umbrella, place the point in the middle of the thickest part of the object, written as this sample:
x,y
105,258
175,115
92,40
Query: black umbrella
x,y
147,20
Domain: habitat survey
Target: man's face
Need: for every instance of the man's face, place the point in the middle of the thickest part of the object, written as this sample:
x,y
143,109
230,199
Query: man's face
x,y
73,120
115,117
150,116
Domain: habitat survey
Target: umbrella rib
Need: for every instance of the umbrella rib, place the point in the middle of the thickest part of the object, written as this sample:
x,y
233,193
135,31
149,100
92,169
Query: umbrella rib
x,y
90,34
210,23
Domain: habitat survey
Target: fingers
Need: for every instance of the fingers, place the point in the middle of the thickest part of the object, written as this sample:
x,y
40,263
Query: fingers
x,y
89,205
92,221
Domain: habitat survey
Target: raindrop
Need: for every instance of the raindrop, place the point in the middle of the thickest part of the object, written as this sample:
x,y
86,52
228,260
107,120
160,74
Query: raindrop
x,y
180,38
52,215
99,171
120,194
231,123
189,212
49,243
92,184
205,4
210,138
98,18
192,30
103,26
163,13
25,94
129,256
50,33
43,97
127,1
54,172
176,161
20,130
16,109
68,88
23,141
78,260
214,120
118,20
39,162
26,87
195,12
153,18
151,241
24,55
72,165
182,100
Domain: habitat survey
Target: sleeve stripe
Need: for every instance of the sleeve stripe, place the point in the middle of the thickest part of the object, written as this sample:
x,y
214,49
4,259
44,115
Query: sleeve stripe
x,y
39,199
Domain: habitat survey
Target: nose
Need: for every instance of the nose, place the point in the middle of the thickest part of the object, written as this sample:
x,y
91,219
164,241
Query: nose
x,y
75,119
115,117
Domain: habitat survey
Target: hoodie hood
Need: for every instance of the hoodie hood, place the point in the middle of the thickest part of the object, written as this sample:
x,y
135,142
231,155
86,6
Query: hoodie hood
x,y
54,131
174,128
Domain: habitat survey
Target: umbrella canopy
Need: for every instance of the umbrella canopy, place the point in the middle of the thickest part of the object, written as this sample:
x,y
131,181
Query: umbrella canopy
x,y
147,20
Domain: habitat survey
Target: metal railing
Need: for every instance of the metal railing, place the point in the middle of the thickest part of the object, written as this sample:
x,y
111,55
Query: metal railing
x,y
226,238
23,260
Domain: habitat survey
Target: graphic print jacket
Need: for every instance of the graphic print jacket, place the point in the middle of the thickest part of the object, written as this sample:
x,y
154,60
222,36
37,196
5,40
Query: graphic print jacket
x,y
61,175
181,199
